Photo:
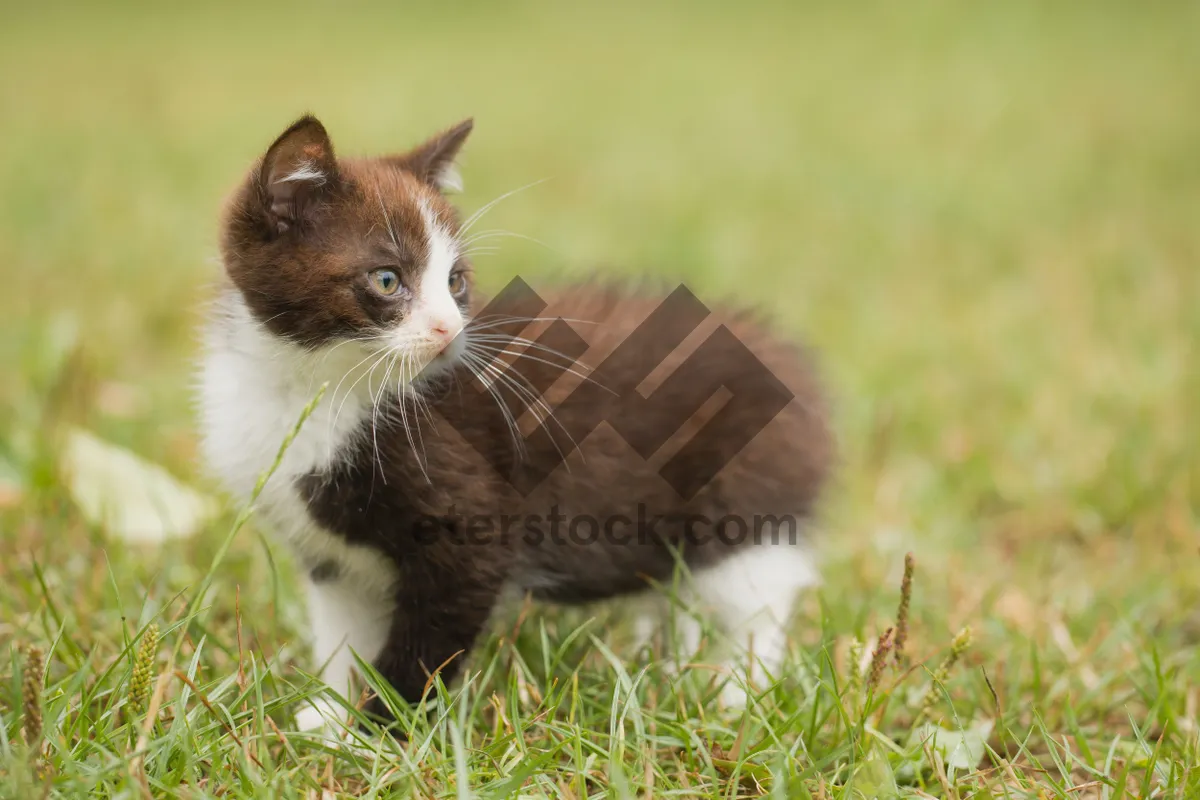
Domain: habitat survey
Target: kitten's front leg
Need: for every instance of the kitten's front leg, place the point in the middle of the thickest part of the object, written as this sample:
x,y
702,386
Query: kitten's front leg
x,y
443,600
345,620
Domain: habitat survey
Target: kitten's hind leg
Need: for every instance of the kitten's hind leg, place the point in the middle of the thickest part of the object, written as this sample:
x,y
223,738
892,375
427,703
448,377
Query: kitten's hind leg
x,y
750,596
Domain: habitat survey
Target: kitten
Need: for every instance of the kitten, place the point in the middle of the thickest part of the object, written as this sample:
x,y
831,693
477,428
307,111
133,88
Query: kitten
x,y
426,484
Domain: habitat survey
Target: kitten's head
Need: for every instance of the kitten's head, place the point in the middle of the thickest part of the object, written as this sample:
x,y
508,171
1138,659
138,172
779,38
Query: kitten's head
x,y
325,250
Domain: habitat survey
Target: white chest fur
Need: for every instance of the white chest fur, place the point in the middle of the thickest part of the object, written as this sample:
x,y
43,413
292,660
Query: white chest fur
x,y
253,389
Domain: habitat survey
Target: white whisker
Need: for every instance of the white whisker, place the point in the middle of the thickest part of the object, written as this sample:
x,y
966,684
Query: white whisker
x,y
333,395
316,366
387,221
350,391
479,251
519,354
375,403
423,404
502,320
499,234
471,220
533,401
521,341
514,431
405,366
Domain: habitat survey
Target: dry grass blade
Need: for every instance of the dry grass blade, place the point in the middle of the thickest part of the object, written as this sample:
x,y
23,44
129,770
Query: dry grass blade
x,y
901,637
879,658
31,695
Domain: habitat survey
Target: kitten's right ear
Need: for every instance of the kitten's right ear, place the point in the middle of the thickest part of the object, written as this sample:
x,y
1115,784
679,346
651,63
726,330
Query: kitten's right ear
x,y
297,172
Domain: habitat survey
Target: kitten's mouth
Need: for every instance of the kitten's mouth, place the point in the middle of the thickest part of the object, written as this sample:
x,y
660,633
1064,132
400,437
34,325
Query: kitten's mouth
x,y
445,358
413,360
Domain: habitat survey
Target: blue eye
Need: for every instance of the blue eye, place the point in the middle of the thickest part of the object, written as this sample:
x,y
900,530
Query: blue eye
x,y
385,281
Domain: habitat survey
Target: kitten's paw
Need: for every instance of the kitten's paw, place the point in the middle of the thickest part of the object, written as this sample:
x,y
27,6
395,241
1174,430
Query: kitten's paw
x,y
322,717
645,626
734,695
742,686
331,725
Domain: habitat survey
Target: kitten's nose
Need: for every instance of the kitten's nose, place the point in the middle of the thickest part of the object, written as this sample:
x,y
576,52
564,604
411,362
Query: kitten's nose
x,y
443,329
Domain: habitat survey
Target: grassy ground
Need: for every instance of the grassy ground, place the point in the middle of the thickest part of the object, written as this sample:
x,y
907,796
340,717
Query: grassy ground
x,y
985,218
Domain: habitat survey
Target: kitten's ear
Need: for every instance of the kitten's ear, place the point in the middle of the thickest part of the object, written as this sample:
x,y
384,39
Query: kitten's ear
x,y
433,161
297,171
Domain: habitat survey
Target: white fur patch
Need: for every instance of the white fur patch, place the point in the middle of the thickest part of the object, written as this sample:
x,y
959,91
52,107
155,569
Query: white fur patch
x,y
450,179
433,305
749,596
434,301
344,622
306,171
254,386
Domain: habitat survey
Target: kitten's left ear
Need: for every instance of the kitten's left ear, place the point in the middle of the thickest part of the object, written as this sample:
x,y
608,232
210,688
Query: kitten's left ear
x,y
433,161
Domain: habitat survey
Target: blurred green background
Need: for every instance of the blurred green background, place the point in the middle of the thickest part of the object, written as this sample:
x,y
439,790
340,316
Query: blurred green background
x,y
985,217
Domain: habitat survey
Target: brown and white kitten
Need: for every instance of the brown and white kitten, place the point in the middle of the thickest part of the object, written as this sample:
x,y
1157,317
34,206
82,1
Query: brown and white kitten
x,y
354,272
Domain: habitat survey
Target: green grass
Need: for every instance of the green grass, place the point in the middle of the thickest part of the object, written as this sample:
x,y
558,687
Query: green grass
x,y
985,217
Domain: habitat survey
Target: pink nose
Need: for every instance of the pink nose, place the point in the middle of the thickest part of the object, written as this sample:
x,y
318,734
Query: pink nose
x,y
442,329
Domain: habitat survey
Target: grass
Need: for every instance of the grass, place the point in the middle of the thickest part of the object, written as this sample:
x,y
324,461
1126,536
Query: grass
x,y
983,216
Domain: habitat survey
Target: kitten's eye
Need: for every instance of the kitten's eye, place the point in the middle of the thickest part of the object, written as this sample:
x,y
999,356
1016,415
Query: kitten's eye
x,y
458,284
385,281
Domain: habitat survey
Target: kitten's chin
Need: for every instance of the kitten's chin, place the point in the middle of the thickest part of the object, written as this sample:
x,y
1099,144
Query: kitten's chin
x,y
442,363
448,357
